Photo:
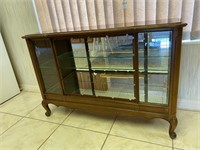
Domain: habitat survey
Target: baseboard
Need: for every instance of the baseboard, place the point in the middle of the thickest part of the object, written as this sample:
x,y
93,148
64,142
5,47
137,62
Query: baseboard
x,y
30,88
189,104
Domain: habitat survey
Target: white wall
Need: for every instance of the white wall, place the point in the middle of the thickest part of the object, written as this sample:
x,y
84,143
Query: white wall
x,y
17,18
189,82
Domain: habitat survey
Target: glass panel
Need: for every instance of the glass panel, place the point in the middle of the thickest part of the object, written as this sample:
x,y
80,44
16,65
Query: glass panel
x,y
71,84
157,88
112,62
154,66
112,53
79,53
47,66
106,84
105,69
114,84
108,53
67,65
85,83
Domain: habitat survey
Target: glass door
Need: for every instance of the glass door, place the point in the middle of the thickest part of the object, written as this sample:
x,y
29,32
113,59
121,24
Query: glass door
x,y
154,50
111,62
100,67
47,66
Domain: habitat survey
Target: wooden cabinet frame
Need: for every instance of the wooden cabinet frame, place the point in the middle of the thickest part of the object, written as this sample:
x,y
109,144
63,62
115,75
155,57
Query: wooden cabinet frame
x,y
107,104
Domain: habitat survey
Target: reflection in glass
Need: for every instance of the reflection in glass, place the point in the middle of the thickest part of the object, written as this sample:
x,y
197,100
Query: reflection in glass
x,y
157,88
67,65
108,53
47,66
103,67
79,53
106,84
112,53
154,58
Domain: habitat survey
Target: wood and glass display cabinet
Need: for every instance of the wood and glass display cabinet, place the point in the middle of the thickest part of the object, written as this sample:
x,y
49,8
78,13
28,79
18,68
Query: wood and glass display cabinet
x,y
128,70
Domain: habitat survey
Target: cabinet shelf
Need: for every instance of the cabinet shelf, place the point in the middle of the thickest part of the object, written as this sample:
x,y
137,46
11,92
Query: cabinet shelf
x,y
111,55
106,54
116,69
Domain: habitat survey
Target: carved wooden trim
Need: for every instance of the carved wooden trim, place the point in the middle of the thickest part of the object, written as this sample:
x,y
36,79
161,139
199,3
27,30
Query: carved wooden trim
x,y
46,107
173,123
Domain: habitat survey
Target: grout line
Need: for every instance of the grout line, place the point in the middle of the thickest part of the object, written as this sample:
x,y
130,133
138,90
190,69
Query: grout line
x,y
25,116
11,126
48,137
182,149
83,129
22,117
46,120
140,140
68,116
11,114
173,147
79,127
108,133
54,131
32,110
41,120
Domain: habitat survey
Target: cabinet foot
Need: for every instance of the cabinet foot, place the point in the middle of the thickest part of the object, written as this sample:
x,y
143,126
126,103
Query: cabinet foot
x,y
46,107
173,123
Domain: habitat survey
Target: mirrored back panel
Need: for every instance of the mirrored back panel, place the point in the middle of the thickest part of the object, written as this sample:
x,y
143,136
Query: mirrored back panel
x,y
47,65
101,67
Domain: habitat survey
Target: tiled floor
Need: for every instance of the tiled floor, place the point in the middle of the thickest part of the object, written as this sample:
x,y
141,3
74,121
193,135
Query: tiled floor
x,y
23,126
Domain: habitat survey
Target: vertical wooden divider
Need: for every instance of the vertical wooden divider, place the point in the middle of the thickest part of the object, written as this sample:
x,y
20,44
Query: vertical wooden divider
x,y
136,69
89,65
146,48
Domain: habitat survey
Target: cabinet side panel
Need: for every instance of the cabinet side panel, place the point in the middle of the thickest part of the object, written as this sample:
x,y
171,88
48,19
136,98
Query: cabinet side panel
x,y
35,65
46,65
175,66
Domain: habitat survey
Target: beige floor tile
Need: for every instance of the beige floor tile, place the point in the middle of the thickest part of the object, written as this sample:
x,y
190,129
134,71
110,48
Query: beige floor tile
x,y
118,143
6,121
22,104
188,130
153,131
69,138
28,134
100,123
58,114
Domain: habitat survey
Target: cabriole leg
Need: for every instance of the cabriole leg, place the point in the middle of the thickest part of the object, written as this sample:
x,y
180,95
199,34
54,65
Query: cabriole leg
x,y
173,123
46,107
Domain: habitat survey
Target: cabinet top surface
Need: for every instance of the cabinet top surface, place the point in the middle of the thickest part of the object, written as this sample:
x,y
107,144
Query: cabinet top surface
x,y
120,29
